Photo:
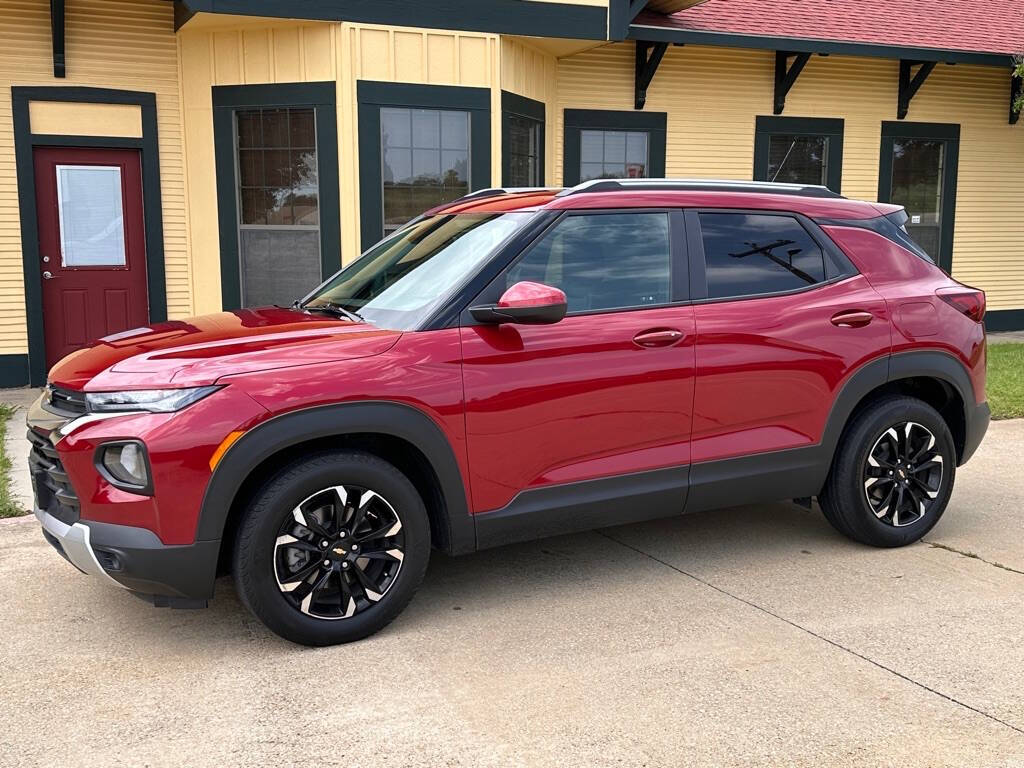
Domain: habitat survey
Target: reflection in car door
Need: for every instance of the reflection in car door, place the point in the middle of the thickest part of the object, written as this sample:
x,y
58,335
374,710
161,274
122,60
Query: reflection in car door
x,y
606,391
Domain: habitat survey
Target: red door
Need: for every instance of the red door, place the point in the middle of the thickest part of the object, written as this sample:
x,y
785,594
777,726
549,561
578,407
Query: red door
x,y
92,245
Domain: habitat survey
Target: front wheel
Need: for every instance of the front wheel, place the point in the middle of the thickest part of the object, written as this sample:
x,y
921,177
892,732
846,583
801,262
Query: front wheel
x,y
332,548
892,475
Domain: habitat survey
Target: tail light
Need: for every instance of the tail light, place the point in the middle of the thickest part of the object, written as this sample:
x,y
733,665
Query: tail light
x,y
969,301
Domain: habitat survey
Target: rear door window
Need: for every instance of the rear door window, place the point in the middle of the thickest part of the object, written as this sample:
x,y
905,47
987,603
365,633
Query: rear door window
x,y
747,254
603,261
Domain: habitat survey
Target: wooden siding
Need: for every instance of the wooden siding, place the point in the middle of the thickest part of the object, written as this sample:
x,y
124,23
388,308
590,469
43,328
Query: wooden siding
x,y
125,44
712,96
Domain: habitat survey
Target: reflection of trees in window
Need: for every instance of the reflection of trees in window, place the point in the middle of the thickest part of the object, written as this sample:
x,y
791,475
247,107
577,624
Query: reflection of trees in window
x,y
424,160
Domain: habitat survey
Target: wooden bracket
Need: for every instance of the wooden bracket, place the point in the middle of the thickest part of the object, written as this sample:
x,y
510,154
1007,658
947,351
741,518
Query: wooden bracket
x,y
57,35
648,57
909,86
786,75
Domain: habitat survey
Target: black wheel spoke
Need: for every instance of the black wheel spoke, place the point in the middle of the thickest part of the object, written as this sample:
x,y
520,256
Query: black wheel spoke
x,y
332,576
899,472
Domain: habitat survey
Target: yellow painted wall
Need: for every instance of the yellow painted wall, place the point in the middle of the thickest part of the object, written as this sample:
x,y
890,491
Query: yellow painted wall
x,y
712,96
85,119
126,44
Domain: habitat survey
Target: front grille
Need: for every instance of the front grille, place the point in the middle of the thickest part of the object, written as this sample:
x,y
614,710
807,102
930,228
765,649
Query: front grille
x,y
53,490
64,402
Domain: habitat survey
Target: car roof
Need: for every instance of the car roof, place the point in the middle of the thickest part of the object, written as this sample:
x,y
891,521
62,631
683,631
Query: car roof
x,y
812,201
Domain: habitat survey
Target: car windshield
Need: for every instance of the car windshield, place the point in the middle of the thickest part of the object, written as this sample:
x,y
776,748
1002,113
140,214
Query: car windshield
x,y
403,279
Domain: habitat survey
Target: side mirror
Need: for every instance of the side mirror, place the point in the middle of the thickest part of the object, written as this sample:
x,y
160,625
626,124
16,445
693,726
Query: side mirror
x,y
525,303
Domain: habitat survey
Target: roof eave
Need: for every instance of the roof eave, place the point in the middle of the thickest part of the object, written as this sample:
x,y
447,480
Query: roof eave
x,y
812,45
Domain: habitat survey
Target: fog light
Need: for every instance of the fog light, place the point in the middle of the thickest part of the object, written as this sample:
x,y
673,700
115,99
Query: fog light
x,y
125,466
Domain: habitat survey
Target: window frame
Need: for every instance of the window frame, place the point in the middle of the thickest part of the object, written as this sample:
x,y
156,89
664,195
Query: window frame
x,y
679,273
832,128
227,100
529,109
577,120
837,266
371,96
946,132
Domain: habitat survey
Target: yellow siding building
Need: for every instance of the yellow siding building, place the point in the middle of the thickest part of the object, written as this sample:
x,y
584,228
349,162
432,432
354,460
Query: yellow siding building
x,y
257,152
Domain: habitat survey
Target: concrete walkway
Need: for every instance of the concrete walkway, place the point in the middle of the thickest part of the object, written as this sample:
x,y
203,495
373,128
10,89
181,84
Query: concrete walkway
x,y
747,637
16,446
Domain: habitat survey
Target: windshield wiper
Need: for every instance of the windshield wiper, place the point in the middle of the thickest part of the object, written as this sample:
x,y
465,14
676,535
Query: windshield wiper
x,y
331,309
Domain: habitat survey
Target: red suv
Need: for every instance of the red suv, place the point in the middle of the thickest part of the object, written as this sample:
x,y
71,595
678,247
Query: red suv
x,y
517,364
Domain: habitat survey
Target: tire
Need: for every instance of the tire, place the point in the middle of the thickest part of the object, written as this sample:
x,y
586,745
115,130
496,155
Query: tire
x,y
297,524
869,470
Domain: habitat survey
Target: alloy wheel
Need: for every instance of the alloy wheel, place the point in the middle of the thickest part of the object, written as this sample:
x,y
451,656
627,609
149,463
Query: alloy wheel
x,y
339,552
903,474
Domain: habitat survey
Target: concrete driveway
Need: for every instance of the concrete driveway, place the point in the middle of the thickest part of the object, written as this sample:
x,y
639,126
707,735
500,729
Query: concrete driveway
x,y
752,636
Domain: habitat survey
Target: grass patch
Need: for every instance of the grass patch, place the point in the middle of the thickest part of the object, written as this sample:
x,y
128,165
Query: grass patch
x,y
1005,384
7,506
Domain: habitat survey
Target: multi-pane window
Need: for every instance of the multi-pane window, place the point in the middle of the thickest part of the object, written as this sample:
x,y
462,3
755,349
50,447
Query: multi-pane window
x,y
424,160
613,154
279,215
794,159
524,137
603,261
747,254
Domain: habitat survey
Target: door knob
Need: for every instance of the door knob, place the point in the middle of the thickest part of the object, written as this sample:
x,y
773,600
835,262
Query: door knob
x,y
47,275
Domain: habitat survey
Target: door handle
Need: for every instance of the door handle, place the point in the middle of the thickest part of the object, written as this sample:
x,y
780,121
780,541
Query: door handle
x,y
658,337
852,318
47,275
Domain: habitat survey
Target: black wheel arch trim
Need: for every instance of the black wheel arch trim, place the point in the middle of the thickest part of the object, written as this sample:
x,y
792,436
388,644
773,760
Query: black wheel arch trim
x,y
366,417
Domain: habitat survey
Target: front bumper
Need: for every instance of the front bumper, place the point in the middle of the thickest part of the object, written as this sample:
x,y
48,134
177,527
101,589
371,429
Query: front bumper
x,y
135,559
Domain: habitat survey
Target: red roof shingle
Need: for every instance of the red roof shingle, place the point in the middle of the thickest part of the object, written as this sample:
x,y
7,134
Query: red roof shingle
x,y
983,26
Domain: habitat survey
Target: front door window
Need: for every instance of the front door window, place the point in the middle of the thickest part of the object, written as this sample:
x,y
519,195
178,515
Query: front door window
x,y
279,213
424,160
91,215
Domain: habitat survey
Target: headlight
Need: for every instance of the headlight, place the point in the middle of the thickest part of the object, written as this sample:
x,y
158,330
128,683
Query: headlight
x,y
125,465
154,400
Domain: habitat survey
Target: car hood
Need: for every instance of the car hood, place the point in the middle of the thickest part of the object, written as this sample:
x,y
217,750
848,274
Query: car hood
x,y
199,350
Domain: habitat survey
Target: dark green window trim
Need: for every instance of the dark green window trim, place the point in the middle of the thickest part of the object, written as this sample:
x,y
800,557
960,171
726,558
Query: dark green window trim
x,y
655,123
509,17
814,45
227,99
948,132
373,95
766,125
514,104
152,207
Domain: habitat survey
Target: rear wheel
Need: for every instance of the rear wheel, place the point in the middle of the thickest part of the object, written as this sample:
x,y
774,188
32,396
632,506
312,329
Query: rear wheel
x,y
892,475
332,548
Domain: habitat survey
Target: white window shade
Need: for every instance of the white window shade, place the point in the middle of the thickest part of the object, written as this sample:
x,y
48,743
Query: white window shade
x,y
91,216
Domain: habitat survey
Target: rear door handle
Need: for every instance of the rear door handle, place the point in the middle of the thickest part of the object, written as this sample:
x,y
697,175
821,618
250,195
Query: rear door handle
x,y
852,318
658,337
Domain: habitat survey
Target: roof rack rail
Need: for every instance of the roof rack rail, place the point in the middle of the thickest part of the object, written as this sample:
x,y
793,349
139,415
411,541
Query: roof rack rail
x,y
700,185
494,191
